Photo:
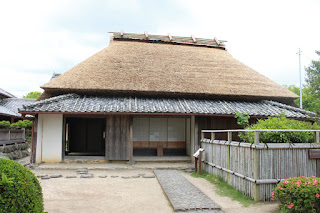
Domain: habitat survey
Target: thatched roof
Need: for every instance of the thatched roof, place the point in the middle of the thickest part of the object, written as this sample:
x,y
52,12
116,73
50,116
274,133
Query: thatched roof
x,y
154,66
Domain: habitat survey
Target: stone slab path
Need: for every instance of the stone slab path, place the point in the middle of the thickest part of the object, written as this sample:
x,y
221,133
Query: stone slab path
x,y
183,195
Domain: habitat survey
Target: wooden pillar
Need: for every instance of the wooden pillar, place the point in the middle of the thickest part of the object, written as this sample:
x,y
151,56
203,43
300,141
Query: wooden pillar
x,y
12,120
63,138
256,167
130,141
33,154
196,134
192,131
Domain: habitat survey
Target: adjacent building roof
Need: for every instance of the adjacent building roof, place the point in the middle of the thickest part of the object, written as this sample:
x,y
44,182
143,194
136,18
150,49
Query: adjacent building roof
x,y
9,106
6,94
73,103
142,64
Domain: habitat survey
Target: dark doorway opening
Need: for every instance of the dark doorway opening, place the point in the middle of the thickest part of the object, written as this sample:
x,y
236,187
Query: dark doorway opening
x,y
85,136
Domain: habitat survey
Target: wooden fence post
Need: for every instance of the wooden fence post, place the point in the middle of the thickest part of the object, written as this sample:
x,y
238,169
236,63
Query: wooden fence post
x,y
229,140
200,159
202,137
213,137
317,140
256,166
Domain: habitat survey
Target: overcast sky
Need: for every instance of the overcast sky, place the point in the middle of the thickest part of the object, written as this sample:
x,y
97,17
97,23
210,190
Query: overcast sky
x,y
41,37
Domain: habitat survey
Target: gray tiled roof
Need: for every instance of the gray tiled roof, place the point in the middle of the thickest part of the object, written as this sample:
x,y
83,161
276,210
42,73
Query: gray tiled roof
x,y
6,94
95,104
9,106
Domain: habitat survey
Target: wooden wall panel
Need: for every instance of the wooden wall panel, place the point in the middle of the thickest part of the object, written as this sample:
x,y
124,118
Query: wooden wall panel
x,y
117,137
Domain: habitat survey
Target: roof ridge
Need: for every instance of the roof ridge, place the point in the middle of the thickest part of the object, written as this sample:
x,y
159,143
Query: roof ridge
x,y
168,39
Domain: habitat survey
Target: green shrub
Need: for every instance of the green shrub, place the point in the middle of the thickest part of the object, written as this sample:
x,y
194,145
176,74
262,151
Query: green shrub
x,y
20,191
281,122
298,194
4,124
242,119
21,124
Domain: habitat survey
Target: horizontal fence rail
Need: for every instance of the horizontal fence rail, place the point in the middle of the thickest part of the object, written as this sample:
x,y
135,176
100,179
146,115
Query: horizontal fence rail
x,y
11,136
256,168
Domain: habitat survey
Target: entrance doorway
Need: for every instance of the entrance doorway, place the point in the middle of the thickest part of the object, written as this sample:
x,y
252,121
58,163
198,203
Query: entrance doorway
x,y
85,136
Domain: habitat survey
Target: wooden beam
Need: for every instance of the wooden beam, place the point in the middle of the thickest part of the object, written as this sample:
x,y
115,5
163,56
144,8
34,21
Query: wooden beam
x,y
217,41
146,34
194,39
170,37
130,141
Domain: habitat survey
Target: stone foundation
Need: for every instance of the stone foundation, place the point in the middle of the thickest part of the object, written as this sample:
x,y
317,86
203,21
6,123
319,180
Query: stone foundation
x,y
15,151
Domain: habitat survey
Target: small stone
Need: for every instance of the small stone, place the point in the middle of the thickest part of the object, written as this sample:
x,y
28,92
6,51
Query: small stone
x,y
141,174
42,175
103,176
83,172
189,170
114,176
45,177
135,176
125,177
111,168
71,176
55,176
79,161
87,176
148,176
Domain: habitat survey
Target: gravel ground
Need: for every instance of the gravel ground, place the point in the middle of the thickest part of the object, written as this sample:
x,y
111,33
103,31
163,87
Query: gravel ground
x,y
108,194
123,194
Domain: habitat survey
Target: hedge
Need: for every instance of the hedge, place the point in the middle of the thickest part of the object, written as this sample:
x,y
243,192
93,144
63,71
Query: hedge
x,y
20,191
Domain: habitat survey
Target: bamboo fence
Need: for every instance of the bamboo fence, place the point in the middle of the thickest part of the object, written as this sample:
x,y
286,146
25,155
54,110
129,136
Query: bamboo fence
x,y
255,169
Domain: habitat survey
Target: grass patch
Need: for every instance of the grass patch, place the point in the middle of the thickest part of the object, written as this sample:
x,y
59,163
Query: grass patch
x,y
225,189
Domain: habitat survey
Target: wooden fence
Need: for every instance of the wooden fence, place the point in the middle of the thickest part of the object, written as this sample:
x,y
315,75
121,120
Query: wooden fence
x,y
255,169
11,136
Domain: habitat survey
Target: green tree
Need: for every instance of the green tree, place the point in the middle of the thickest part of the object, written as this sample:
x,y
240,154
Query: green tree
x,y
310,101
32,95
313,76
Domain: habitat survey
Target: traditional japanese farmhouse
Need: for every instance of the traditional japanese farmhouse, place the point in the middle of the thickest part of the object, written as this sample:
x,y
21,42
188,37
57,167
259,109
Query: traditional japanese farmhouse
x,y
149,95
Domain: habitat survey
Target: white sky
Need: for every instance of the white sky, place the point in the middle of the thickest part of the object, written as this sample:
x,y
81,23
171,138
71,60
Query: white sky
x,y
41,37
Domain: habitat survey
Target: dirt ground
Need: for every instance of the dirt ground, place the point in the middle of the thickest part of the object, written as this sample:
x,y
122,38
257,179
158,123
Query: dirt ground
x,y
226,203
122,195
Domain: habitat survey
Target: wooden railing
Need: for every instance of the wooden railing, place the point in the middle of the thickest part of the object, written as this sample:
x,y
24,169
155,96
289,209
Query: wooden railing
x,y
256,168
10,136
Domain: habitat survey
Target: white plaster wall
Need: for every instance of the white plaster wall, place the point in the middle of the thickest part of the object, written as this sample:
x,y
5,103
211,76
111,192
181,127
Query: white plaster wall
x,y
49,141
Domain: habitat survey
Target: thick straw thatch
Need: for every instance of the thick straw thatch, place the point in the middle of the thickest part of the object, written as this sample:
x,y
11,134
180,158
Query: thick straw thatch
x,y
168,69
